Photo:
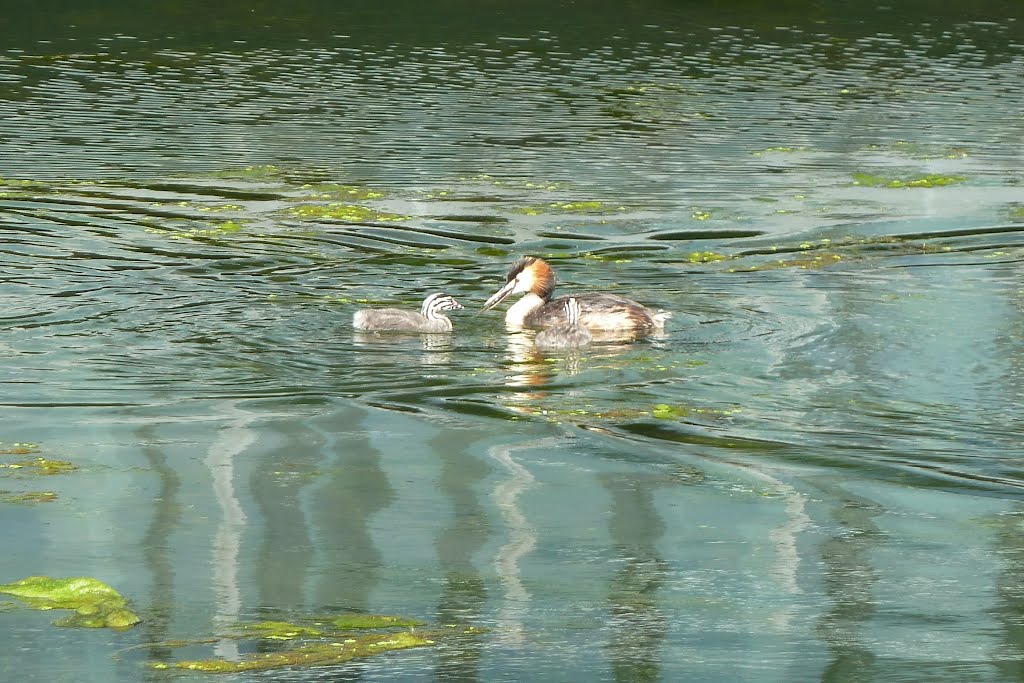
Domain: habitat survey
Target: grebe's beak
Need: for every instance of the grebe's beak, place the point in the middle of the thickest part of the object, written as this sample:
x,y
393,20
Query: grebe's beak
x,y
500,295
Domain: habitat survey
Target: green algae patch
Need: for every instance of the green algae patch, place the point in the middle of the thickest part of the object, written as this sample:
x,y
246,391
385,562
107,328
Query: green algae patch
x,y
585,207
922,151
809,262
41,466
334,191
1017,213
929,180
280,630
18,449
220,208
596,414
95,604
259,172
306,641
214,232
664,411
27,497
313,654
343,212
706,257
368,621
779,150
19,182
15,188
514,183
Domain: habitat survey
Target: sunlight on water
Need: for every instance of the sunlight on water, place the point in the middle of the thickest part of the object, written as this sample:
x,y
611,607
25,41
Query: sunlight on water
x,y
813,474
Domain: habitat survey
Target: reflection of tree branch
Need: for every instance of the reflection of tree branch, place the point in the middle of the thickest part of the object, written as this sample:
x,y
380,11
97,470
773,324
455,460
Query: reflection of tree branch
x,y
521,538
166,517
785,571
233,439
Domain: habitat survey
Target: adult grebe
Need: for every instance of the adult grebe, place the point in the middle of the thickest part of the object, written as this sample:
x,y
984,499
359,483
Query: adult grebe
x,y
598,311
567,335
429,319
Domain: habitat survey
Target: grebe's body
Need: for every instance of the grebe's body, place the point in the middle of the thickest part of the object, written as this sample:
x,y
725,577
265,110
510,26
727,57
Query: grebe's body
x,y
599,312
430,318
565,335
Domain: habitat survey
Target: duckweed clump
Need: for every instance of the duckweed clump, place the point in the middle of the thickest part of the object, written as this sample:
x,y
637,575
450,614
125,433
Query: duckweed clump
x,y
217,231
281,630
585,207
513,183
809,262
313,654
27,497
329,191
41,466
660,411
368,621
19,449
15,188
354,213
259,172
315,641
95,604
923,151
706,257
778,150
929,180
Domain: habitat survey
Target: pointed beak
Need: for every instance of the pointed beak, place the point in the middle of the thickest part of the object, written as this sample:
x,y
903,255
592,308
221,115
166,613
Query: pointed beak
x,y
500,295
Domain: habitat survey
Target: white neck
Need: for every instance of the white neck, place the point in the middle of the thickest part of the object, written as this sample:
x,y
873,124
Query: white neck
x,y
516,315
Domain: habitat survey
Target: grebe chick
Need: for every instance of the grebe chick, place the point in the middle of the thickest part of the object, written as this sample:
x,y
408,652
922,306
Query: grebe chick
x,y
599,312
567,335
429,319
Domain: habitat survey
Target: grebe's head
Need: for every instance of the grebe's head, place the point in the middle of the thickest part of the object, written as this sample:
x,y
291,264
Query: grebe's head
x,y
438,302
529,274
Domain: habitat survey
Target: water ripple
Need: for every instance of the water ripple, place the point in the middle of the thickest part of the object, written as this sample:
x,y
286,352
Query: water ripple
x,y
181,225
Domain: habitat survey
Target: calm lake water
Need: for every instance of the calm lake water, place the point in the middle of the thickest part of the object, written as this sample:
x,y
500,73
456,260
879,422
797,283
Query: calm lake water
x,y
816,474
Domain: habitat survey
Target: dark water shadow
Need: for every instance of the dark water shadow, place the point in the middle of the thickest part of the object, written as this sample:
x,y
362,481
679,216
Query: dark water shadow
x,y
850,576
638,622
464,594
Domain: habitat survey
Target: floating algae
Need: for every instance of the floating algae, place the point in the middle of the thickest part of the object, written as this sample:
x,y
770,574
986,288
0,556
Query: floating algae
x,y
40,465
585,207
366,621
280,630
216,230
320,642
95,604
313,654
327,191
344,212
19,449
28,497
929,180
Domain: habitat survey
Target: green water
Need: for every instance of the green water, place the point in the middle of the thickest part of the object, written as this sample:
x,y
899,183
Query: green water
x,y
814,475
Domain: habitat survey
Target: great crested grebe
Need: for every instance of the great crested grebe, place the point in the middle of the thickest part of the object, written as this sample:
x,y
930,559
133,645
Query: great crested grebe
x,y
534,278
429,319
567,335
